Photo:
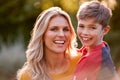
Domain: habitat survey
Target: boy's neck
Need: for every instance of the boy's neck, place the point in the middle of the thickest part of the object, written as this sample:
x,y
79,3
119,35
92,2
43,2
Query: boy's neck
x,y
89,49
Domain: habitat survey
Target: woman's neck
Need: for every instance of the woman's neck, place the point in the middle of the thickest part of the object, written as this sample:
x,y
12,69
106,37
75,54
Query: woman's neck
x,y
56,63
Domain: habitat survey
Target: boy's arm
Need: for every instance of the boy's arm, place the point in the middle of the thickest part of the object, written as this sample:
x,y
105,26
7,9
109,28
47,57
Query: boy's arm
x,y
108,71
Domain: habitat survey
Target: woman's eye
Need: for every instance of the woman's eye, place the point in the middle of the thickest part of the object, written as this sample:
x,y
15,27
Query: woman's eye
x,y
66,29
53,29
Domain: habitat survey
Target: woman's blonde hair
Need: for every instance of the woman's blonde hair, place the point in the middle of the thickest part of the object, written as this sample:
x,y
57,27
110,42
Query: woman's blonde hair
x,y
35,63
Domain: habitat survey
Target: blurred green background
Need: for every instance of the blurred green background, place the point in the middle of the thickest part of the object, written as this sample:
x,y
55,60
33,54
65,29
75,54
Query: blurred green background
x,y
17,18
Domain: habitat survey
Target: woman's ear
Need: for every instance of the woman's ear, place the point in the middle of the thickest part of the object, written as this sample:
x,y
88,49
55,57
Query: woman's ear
x,y
106,30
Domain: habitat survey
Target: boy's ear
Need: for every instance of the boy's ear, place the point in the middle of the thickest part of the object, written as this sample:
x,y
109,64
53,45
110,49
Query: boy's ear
x,y
106,30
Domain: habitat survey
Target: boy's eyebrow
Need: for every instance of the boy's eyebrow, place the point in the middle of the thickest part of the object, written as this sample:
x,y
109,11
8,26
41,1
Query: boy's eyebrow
x,y
91,25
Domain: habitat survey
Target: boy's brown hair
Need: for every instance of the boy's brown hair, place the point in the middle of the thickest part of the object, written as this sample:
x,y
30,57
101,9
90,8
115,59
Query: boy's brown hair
x,y
95,9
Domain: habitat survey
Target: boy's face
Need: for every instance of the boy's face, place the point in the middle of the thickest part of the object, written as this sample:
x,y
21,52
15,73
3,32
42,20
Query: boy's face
x,y
90,32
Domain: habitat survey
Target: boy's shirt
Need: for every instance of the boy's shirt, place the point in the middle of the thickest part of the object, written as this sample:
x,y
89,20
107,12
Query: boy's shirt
x,y
96,65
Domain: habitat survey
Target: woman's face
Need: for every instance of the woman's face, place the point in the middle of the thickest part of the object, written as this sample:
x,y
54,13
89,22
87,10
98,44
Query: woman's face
x,y
57,36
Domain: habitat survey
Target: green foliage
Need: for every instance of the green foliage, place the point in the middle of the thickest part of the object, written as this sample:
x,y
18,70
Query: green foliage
x,y
17,18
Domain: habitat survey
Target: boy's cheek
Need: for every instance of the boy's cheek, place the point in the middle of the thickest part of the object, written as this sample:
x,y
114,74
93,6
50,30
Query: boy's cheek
x,y
78,31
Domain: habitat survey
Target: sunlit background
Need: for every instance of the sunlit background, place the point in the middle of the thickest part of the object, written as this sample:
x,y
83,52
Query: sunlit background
x,y
17,18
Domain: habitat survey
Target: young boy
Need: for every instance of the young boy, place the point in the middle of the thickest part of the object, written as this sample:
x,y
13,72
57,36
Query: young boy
x,y
96,62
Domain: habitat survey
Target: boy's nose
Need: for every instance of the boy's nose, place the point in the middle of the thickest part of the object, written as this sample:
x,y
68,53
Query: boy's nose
x,y
85,31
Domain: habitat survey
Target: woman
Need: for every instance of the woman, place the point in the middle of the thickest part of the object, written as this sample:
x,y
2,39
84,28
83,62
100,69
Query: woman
x,y
51,53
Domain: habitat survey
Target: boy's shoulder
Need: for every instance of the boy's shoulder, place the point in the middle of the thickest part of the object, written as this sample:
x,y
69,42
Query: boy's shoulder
x,y
102,50
100,46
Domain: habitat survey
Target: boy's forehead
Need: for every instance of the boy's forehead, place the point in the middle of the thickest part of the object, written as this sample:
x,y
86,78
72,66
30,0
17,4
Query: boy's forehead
x,y
91,21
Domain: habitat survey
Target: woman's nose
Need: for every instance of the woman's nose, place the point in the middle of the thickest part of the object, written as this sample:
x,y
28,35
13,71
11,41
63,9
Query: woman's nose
x,y
61,33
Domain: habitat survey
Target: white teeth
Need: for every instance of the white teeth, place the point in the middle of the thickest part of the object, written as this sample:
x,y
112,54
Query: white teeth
x,y
59,42
85,38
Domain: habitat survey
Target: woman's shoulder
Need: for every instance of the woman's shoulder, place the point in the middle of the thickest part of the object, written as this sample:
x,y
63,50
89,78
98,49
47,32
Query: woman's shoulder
x,y
76,57
24,76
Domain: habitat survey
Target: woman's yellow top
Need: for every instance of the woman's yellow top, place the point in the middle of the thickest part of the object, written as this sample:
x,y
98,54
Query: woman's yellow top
x,y
67,75
25,76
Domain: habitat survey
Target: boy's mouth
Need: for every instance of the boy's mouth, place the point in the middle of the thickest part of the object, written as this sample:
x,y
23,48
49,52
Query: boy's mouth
x,y
85,39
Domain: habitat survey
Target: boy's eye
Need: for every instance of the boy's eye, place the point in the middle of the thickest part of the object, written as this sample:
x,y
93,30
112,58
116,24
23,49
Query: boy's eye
x,y
93,27
81,26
